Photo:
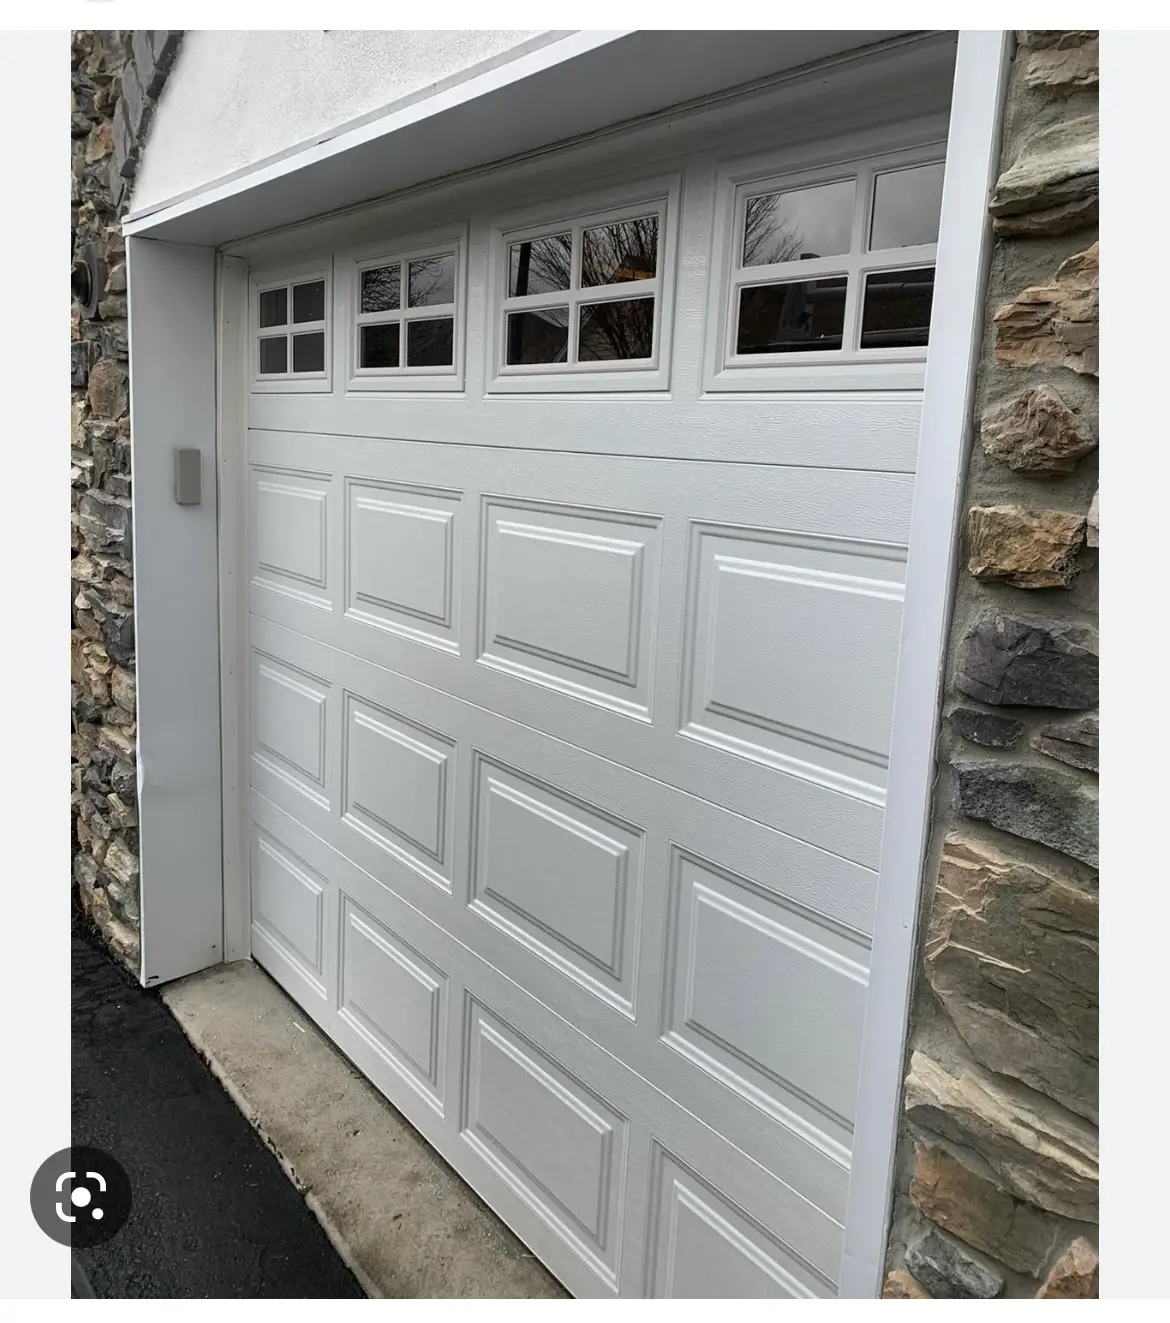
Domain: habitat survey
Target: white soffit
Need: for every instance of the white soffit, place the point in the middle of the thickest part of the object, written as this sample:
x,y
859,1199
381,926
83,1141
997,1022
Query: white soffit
x,y
577,85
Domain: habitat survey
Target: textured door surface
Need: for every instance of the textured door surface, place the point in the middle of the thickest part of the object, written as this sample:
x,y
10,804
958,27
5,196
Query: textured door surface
x,y
568,723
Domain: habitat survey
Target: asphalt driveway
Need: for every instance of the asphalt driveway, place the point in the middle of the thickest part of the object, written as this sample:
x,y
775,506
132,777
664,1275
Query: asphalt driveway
x,y
213,1214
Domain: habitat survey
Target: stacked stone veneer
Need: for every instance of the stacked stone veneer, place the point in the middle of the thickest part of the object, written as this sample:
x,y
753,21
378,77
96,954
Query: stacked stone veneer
x,y
996,1185
116,79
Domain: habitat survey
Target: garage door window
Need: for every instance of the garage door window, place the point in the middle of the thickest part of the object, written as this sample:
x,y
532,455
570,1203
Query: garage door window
x,y
583,299
291,341
406,329
830,271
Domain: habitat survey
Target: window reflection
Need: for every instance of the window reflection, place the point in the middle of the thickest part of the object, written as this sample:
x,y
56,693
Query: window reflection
x,y
802,224
382,289
430,343
539,266
538,336
613,254
616,330
795,316
896,310
431,280
906,205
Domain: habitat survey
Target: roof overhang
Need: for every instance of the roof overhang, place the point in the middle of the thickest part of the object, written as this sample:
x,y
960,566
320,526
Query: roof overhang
x,y
574,85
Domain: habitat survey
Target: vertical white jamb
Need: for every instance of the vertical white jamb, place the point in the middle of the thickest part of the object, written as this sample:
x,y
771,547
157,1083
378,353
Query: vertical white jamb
x,y
171,290
964,249
231,368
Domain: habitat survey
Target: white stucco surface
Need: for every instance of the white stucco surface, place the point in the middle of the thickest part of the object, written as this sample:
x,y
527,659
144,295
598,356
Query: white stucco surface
x,y
234,99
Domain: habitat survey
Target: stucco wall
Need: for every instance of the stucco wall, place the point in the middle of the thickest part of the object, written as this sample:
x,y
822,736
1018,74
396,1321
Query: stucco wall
x,y
237,98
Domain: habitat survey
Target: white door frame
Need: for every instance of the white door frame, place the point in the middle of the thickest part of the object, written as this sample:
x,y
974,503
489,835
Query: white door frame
x,y
188,624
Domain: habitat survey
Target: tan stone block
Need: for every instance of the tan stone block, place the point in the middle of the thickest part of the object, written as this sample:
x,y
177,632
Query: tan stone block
x,y
1011,954
901,1286
1093,522
1054,324
109,389
121,863
1074,1276
1036,432
123,688
1071,64
1026,548
1036,1150
987,1218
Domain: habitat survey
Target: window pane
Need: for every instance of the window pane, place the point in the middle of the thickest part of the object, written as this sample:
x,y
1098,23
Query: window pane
x,y
537,266
432,280
273,307
382,289
430,344
628,250
379,346
309,303
896,311
906,204
808,222
540,336
794,317
624,329
309,352
274,354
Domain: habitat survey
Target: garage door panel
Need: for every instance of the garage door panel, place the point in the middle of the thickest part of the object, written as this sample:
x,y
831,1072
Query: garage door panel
x,y
397,786
875,431
559,875
289,906
396,998
571,1166
570,599
291,709
766,996
290,532
403,567
700,1246
791,648
564,1054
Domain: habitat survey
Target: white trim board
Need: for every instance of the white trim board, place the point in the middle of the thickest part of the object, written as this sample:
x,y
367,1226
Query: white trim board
x,y
964,250
172,367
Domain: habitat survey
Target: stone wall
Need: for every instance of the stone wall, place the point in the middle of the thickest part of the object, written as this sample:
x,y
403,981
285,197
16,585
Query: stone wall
x,y
116,79
996,1185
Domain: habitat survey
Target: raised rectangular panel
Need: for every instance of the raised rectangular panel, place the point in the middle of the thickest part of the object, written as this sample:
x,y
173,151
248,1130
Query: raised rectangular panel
x,y
288,904
289,708
552,1139
700,1246
396,999
402,560
791,649
568,599
766,996
397,775
560,876
289,533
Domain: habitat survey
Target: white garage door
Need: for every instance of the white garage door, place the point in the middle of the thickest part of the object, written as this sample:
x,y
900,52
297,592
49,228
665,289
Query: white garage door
x,y
576,533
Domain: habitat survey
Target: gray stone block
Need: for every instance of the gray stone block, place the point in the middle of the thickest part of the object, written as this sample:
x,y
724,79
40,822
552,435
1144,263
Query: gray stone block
x,y
1075,742
991,729
1030,662
949,1273
1036,803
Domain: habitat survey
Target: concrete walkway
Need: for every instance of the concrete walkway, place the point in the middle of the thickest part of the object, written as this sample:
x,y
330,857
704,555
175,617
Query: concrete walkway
x,y
213,1215
407,1225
